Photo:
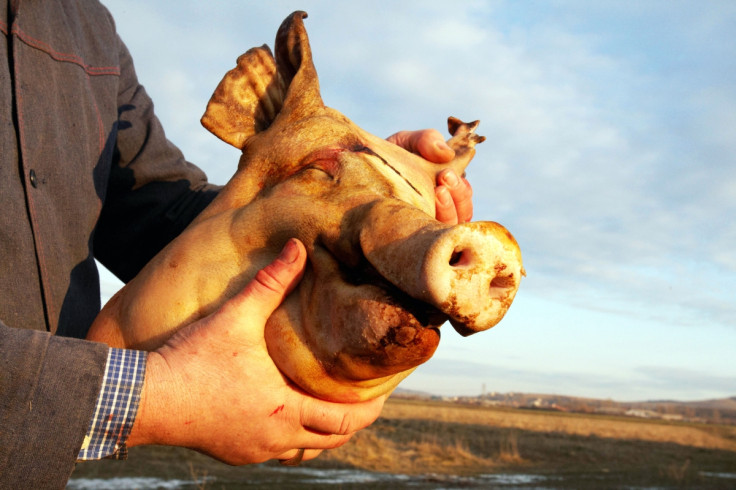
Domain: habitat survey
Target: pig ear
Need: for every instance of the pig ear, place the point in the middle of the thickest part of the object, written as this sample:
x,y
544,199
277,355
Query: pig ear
x,y
259,89
295,65
247,100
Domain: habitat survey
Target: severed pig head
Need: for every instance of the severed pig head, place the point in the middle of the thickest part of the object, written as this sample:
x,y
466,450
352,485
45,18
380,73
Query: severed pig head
x,y
382,275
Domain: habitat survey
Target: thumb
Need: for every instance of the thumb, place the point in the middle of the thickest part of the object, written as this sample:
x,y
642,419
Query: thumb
x,y
427,143
261,296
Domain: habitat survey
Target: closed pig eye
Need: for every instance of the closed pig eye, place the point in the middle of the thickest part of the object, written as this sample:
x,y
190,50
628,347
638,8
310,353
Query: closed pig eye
x,y
322,169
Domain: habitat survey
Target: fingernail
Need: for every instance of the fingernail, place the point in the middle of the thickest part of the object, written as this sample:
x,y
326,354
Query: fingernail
x,y
450,178
290,252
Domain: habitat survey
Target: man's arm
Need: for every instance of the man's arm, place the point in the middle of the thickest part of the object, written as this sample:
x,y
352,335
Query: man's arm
x,y
48,389
213,386
173,375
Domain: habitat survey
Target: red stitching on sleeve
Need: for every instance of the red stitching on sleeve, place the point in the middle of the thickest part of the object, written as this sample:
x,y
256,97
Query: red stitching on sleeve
x,y
65,57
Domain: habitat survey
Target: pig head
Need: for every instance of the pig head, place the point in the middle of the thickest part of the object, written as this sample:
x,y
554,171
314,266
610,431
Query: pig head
x,y
382,273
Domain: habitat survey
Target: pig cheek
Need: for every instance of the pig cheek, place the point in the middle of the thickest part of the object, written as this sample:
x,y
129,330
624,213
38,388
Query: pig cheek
x,y
368,337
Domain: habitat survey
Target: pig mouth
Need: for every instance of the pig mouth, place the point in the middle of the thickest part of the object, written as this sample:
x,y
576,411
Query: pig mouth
x,y
365,329
385,330
366,276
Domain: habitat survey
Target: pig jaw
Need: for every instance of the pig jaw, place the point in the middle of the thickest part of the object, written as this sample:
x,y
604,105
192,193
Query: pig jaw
x,y
370,330
332,375
345,338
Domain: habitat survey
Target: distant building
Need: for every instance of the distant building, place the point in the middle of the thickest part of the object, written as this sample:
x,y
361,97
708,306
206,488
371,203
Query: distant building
x,y
640,412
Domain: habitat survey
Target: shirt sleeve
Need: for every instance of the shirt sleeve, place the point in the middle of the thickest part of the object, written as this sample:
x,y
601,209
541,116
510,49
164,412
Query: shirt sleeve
x,y
48,389
117,406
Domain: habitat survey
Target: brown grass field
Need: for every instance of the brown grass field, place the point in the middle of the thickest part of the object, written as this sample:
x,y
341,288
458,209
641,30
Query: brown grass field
x,y
436,438
611,427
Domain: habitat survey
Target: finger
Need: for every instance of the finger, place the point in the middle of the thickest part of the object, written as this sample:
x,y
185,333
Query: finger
x,y
463,198
281,275
341,419
460,192
319,442
428,143
272,284
294,453
311,454
444,206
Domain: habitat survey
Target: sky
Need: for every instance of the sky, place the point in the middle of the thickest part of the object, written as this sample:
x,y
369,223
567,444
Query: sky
x,y
610,155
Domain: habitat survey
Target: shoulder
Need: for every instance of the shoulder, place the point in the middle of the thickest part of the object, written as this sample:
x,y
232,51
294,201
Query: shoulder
x,y
74,31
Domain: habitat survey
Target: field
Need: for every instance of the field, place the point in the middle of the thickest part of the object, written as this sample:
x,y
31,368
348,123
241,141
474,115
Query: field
x,y
437,441
423,437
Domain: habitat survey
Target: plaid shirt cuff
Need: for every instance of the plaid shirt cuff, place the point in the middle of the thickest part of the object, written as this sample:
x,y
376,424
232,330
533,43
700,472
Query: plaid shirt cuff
x,y
117,405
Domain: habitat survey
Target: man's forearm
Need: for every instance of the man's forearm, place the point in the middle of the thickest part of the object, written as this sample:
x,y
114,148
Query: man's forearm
x,y
48,389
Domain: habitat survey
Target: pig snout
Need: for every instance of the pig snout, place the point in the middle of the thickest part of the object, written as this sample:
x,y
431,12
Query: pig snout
x,y
470,272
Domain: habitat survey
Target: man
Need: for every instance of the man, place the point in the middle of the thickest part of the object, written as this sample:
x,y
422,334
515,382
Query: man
x,y
86,172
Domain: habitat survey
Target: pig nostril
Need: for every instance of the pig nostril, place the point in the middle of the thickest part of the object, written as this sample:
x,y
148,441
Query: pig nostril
x,y
502,282
461,258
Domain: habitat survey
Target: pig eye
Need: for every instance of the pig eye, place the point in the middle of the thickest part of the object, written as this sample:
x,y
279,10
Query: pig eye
x,y
318,171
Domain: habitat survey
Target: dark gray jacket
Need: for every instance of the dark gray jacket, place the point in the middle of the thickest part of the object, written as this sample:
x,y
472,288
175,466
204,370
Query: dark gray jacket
x,y
85,172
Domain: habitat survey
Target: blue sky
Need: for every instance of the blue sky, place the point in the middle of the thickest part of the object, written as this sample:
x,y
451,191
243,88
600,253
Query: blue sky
x,y
610,155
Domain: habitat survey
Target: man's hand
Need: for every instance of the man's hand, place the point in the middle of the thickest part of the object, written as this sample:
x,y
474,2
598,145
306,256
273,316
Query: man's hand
x,y
453,194
214,388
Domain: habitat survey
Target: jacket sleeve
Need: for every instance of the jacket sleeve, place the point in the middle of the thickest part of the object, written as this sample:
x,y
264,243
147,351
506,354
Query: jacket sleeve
x,y
48,391
153,192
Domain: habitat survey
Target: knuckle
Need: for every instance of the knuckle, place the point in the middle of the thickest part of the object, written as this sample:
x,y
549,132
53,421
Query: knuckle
x,y
267,279
400,138
346,425
447,214
337,441
430,135
426,139
467,189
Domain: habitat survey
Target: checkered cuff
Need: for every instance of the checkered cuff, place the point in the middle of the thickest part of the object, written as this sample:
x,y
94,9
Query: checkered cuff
x,y
117,405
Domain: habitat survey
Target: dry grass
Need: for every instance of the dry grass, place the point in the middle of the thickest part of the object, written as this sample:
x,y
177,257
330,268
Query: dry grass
x,y
695,435
676,472
418,437
435,440
393,447
509,449
371,451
